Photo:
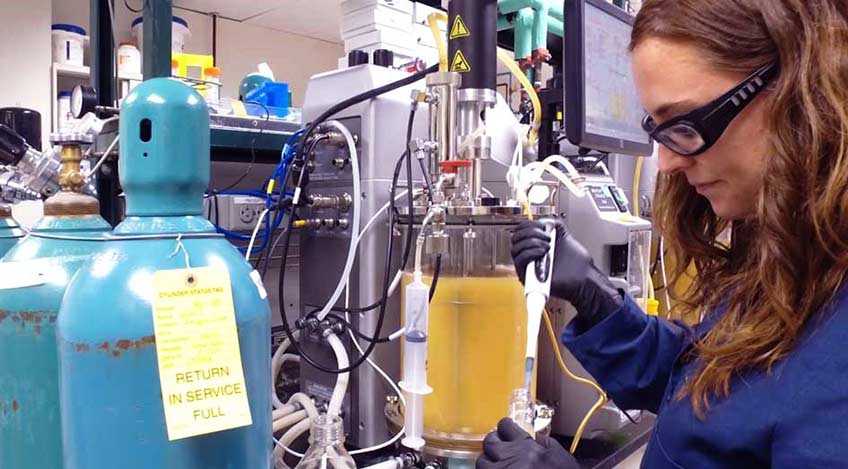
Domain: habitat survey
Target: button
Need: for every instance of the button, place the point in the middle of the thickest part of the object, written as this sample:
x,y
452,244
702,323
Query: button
x,y
618,197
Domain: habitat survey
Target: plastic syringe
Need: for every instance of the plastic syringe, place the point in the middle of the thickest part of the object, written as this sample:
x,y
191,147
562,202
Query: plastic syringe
x,y
537,289
414,383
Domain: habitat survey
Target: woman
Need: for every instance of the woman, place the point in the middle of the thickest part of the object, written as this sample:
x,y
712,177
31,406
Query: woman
x,y
749,102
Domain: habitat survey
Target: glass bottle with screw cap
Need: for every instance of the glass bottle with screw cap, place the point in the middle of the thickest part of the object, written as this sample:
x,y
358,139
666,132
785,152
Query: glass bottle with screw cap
x,y
522,411
326,445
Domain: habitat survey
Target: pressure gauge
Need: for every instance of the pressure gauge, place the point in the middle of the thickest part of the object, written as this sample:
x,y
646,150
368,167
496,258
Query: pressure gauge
x,y
83,100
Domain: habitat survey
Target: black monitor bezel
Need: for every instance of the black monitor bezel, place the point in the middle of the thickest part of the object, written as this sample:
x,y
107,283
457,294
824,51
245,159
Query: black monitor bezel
x,y
574,58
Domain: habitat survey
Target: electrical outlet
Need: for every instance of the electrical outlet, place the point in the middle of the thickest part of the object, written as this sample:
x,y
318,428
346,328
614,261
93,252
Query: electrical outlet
x,y
247,214
234,212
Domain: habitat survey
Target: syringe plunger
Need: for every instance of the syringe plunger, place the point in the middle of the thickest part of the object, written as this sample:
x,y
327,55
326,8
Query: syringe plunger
x,y
414,383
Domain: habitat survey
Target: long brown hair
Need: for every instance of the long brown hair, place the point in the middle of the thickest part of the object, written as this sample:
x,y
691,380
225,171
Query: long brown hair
x,y
786,263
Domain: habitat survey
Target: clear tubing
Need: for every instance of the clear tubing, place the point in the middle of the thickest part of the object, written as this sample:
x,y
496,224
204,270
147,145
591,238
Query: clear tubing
x,y
288,420
276,365
354,229
283,411
339,391
385,376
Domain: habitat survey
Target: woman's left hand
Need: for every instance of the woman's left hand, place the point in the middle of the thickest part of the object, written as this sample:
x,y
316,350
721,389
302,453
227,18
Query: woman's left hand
x,y
511,447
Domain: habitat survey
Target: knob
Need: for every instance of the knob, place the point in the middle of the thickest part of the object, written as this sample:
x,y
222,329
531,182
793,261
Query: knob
x,y
357,57
384,58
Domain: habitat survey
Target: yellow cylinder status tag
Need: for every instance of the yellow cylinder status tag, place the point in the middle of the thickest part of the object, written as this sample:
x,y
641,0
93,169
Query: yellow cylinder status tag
x,y
203,388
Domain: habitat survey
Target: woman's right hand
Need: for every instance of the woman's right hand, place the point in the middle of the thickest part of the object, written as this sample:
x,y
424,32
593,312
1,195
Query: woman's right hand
x,y
575,277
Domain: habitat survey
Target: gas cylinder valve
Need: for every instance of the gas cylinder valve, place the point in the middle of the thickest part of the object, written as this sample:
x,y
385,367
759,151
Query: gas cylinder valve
x,y
71,178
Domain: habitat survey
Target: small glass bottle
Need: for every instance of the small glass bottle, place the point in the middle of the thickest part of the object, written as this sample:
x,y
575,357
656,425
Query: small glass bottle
x,y
326,445
522,411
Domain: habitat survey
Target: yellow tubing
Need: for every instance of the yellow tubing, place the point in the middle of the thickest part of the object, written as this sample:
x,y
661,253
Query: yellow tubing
x,y
534,98
432,18
602,396
637,177
440,39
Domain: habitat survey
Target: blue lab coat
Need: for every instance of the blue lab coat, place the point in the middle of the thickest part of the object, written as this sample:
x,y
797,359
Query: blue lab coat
x,y
796,417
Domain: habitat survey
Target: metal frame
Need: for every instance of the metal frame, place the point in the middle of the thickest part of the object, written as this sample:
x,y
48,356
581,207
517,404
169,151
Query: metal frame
x,y
574,58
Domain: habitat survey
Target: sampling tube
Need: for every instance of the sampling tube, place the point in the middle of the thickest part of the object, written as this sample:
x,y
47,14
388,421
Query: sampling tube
x,y
414,383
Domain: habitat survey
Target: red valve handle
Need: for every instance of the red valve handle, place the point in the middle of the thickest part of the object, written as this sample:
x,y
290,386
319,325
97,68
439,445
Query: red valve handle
x,y
451,166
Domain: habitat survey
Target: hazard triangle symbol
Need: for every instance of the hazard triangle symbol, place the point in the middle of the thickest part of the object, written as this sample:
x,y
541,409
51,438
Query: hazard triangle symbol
x,y
459,29
459,63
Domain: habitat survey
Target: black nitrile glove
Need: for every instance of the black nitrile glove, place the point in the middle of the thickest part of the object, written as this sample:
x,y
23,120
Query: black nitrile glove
x,y
575,277
511,447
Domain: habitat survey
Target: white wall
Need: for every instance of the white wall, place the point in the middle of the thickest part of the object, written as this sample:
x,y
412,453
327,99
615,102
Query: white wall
x,y
25,52
241,46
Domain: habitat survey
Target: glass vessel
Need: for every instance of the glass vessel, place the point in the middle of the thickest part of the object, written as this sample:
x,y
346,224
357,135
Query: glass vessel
x,y
326,445
477,336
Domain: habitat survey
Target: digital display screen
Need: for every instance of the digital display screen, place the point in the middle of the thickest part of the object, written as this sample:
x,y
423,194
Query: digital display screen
x,y
612,108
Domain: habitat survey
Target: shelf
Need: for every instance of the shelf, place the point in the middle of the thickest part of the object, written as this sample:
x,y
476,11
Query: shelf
x,y
82,71
80,74
68,70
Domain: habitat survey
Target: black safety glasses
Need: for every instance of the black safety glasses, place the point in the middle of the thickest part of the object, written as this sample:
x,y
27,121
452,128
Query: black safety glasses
x,y
695,132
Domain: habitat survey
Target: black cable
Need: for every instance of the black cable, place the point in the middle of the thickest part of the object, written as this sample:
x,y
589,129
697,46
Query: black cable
x,y
436,270
427,182
275,210
280,206
656,263
217,214
410,199
252,149
382,303
310,129
127,4
603,157
271,252
395,177
381,340
287,238
389,255
391,211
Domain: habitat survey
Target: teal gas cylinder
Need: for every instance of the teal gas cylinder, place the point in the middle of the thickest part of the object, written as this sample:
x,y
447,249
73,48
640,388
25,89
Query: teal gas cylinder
x,y
33,277
10,233
110,394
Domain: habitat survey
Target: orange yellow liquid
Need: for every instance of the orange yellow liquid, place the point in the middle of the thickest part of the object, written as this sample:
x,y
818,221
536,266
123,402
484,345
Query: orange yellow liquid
x,y
475,354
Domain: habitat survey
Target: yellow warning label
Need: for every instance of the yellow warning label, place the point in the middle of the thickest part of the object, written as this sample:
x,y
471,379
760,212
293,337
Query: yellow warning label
x,y
459,63
197,345
459,29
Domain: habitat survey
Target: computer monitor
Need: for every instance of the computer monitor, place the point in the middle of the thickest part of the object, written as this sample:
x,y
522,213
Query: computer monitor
x,y
602,109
